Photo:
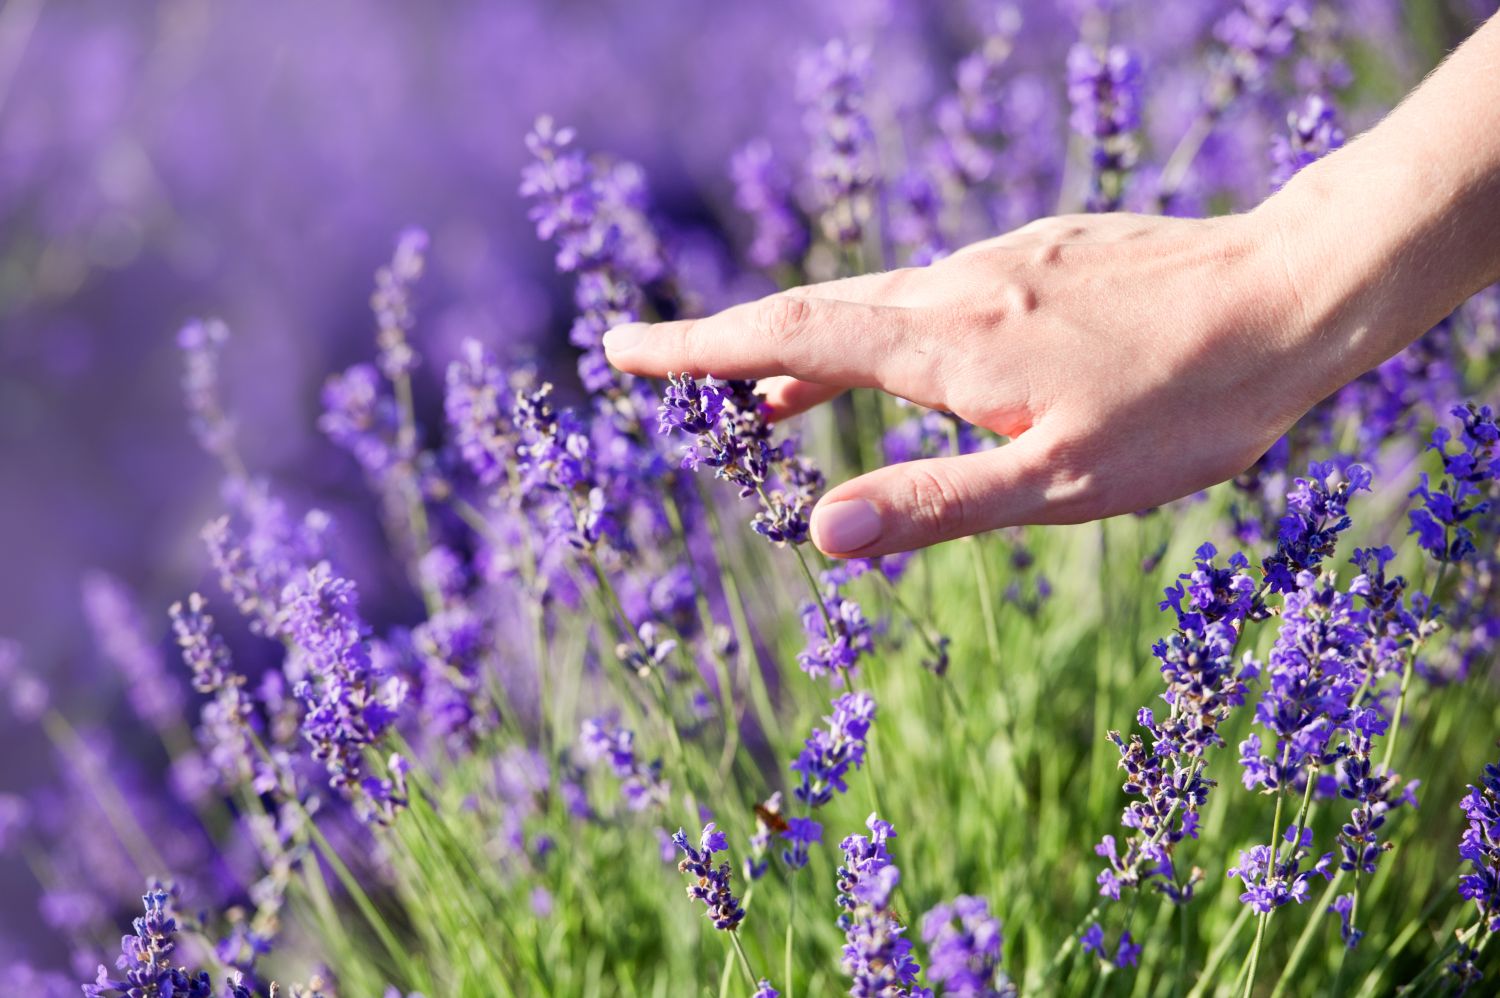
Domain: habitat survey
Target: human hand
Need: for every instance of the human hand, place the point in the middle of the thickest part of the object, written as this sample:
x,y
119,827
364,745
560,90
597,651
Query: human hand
x,y
1131,359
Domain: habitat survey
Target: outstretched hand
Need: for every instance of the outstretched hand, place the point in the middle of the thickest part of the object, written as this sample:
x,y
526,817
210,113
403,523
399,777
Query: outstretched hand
x,y
1131,360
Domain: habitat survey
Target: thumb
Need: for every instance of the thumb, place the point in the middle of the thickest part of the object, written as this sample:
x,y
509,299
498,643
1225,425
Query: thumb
x,y
917,503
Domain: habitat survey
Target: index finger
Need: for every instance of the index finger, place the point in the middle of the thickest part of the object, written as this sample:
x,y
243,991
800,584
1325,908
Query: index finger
x,y
849,344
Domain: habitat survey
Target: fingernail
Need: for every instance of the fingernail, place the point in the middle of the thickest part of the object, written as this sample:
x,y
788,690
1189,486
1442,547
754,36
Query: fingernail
x,y
626,337
845,527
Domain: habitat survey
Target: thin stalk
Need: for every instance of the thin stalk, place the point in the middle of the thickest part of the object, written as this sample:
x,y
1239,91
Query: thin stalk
x,y
749,656
1220,950
116,809
791,931
376,920
739,948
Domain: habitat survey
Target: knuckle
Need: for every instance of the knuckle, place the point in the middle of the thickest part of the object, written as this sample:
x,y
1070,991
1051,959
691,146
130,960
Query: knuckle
x,y
781,319
935,502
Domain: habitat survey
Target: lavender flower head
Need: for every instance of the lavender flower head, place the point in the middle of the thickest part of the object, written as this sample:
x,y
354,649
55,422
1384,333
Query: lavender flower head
x,y
641,784
877,955
1270,884
1480,848
831,85
1308,533
711,883
477,404
727,423
963,945
1311,679
1166,778
391,303
763,192
360,416
1313,132
120,634
145,960
347,710
202,343
1441,522
1257,35
1104,86
836,652
828,755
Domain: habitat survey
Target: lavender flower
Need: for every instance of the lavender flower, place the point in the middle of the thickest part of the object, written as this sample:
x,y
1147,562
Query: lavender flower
x,y
641,784
146,960
762,191
1127,953
1480,848
831,84
478,405
260,550
391,303
1308,533
1312,132
572,209
1167,777
800,834
1441,522
828,755
1343,907
359,415
877,954
836,652
1312,680
730,434
963,944
763,989
1271,883
1104,86
1256,34
712,882
202,343
347,710
971,120
120,634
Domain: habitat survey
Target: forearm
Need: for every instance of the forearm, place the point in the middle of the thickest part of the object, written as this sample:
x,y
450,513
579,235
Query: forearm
x,y
1383,238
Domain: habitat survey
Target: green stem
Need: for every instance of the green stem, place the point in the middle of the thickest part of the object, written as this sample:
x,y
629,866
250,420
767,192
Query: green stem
x,y
791,931
739,948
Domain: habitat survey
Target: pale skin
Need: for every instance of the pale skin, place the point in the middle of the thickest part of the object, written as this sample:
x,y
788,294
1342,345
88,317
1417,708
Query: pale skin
x,y
1131,359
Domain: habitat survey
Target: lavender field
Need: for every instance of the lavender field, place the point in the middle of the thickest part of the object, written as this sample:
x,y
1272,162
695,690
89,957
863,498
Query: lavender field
x,y
363,632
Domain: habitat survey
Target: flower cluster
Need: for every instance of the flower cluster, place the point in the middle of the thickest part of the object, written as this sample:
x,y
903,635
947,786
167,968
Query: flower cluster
x,y
727,422
641,783
963,945
1166,778
763,192
348,706
1440,523
1274,877
711,882
1315,516
1313,132
877,955
1104,85
831,84
571,206
146,959
829,754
